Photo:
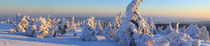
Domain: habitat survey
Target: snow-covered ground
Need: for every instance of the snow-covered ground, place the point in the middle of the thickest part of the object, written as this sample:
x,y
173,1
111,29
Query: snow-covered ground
x,y
12,39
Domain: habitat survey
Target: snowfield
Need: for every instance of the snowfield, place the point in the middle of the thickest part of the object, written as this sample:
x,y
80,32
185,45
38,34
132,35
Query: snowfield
x,y
132,31
12,39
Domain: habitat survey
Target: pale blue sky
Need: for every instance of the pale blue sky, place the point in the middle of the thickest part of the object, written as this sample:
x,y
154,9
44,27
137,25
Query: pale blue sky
x,y
186,8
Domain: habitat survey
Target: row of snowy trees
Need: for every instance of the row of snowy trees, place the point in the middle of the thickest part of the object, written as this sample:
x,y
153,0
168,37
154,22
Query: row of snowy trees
x,y
137,31
43,28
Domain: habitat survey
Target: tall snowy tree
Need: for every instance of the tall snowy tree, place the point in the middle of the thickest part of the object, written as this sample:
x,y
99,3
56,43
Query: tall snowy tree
x,y
73,26
134,31
112,29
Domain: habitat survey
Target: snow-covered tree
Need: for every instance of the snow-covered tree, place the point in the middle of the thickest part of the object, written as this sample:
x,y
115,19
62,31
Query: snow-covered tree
x,y
108,34
23,24
193,31
60,28
110,31
134,31
204,34
43,28
89,32
73,26
99,28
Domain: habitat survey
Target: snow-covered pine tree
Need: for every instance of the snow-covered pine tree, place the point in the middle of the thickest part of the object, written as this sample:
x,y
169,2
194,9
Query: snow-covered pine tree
x,y
68,24
193,31
99,28
60,28
134,31
108,30
112,29
16,24
43,28
204,34
88,32
23,24
73,26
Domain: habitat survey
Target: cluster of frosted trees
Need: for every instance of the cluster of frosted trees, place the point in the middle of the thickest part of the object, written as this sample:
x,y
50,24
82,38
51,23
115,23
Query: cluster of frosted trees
x,y
41,27
134,30
137,31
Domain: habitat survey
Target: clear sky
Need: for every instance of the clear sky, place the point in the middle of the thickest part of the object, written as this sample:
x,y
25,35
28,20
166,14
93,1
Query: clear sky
x,y
186,8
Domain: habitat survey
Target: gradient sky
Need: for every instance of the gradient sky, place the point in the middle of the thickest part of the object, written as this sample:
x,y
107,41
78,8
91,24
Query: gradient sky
x,y
184,8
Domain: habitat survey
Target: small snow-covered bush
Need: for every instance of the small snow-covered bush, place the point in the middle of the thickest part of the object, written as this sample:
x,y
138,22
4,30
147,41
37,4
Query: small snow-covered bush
x,y
60,28
204,34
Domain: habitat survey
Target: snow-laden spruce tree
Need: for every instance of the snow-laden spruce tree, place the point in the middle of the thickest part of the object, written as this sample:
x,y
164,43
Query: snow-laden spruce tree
x,y
60,27
204,34
88,31
134,31
22,25
193,31
18,18
43,28
73,26
99,28
110,31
